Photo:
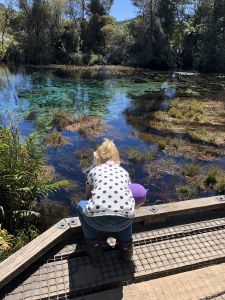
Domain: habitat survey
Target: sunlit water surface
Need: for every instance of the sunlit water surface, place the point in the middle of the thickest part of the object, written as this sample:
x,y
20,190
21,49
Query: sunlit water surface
x,y
25,90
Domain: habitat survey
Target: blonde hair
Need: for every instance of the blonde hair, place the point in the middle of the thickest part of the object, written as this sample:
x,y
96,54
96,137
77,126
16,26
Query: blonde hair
x,y
106,151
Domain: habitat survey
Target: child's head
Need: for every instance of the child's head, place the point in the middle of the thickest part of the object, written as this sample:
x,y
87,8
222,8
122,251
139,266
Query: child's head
x,y
106,151
139,193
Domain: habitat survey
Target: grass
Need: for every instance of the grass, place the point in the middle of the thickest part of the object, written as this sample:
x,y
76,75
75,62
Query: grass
x,y
212,176
212,180
220,184
187,191
87,126
114,70
136,155
187,110
55,139
201,120
191,170
178,147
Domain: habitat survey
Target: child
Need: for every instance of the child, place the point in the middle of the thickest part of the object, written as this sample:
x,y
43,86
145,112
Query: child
x,y
110,205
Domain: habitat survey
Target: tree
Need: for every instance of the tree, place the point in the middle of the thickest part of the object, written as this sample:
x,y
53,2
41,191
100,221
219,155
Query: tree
x,y
7,13
94,39
210,49
152,48
100,7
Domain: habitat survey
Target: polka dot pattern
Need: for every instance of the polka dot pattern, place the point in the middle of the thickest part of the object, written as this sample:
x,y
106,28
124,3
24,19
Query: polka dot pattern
x,y
110,193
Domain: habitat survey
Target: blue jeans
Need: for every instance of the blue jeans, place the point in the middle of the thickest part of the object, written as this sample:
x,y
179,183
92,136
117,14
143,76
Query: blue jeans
x,y
93,226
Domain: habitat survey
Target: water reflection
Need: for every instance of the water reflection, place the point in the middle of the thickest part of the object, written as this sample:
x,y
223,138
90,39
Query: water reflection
x,y
124,102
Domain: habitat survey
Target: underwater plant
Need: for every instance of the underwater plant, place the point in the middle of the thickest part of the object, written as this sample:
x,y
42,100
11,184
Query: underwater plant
x,y
62,119
55,139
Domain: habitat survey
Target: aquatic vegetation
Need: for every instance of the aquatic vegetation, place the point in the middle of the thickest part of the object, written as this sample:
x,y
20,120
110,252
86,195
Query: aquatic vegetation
x,y
220,184
191,170
21,166
198,121
178,147
32,116
88,126
198,182
212,176
44,123
55,139
186,191
212,179
162,166
161,145
187,110
85,157
139,156
62,119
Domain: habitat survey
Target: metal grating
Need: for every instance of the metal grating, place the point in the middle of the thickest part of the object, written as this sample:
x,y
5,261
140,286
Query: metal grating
x,y
69,272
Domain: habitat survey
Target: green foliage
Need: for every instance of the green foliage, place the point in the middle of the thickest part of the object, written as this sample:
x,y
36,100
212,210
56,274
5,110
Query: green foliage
x,y
212,176
76,59
187,191
9,243
139,156
165,34
21,181
191,170
187,110
220,184
55,139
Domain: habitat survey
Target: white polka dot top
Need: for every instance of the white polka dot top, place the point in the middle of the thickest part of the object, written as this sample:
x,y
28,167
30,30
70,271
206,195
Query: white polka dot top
x,y
110,194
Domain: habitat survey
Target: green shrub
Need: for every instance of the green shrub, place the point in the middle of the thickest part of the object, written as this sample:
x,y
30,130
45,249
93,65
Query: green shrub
x,y
95,59
11,243
14,53
76,58
55,139
21,182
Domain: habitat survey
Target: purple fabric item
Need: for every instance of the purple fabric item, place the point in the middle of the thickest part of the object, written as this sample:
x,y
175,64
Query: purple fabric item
x,y
139,193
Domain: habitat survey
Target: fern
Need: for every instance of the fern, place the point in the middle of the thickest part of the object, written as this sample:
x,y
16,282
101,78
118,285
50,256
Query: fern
x,y
21,181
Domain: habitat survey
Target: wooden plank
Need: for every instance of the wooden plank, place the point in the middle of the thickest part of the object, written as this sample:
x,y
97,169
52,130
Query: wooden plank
x,y
79,274
20,260
164,211
24,257
203,283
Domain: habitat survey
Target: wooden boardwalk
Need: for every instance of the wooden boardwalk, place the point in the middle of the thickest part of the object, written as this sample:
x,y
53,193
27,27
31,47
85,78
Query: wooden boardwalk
x,y
180,261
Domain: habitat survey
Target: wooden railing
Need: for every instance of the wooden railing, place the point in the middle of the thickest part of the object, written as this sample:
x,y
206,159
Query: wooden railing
x,y
19,261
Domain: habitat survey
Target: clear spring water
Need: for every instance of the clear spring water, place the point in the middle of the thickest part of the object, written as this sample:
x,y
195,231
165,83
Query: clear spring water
x,y
23,90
